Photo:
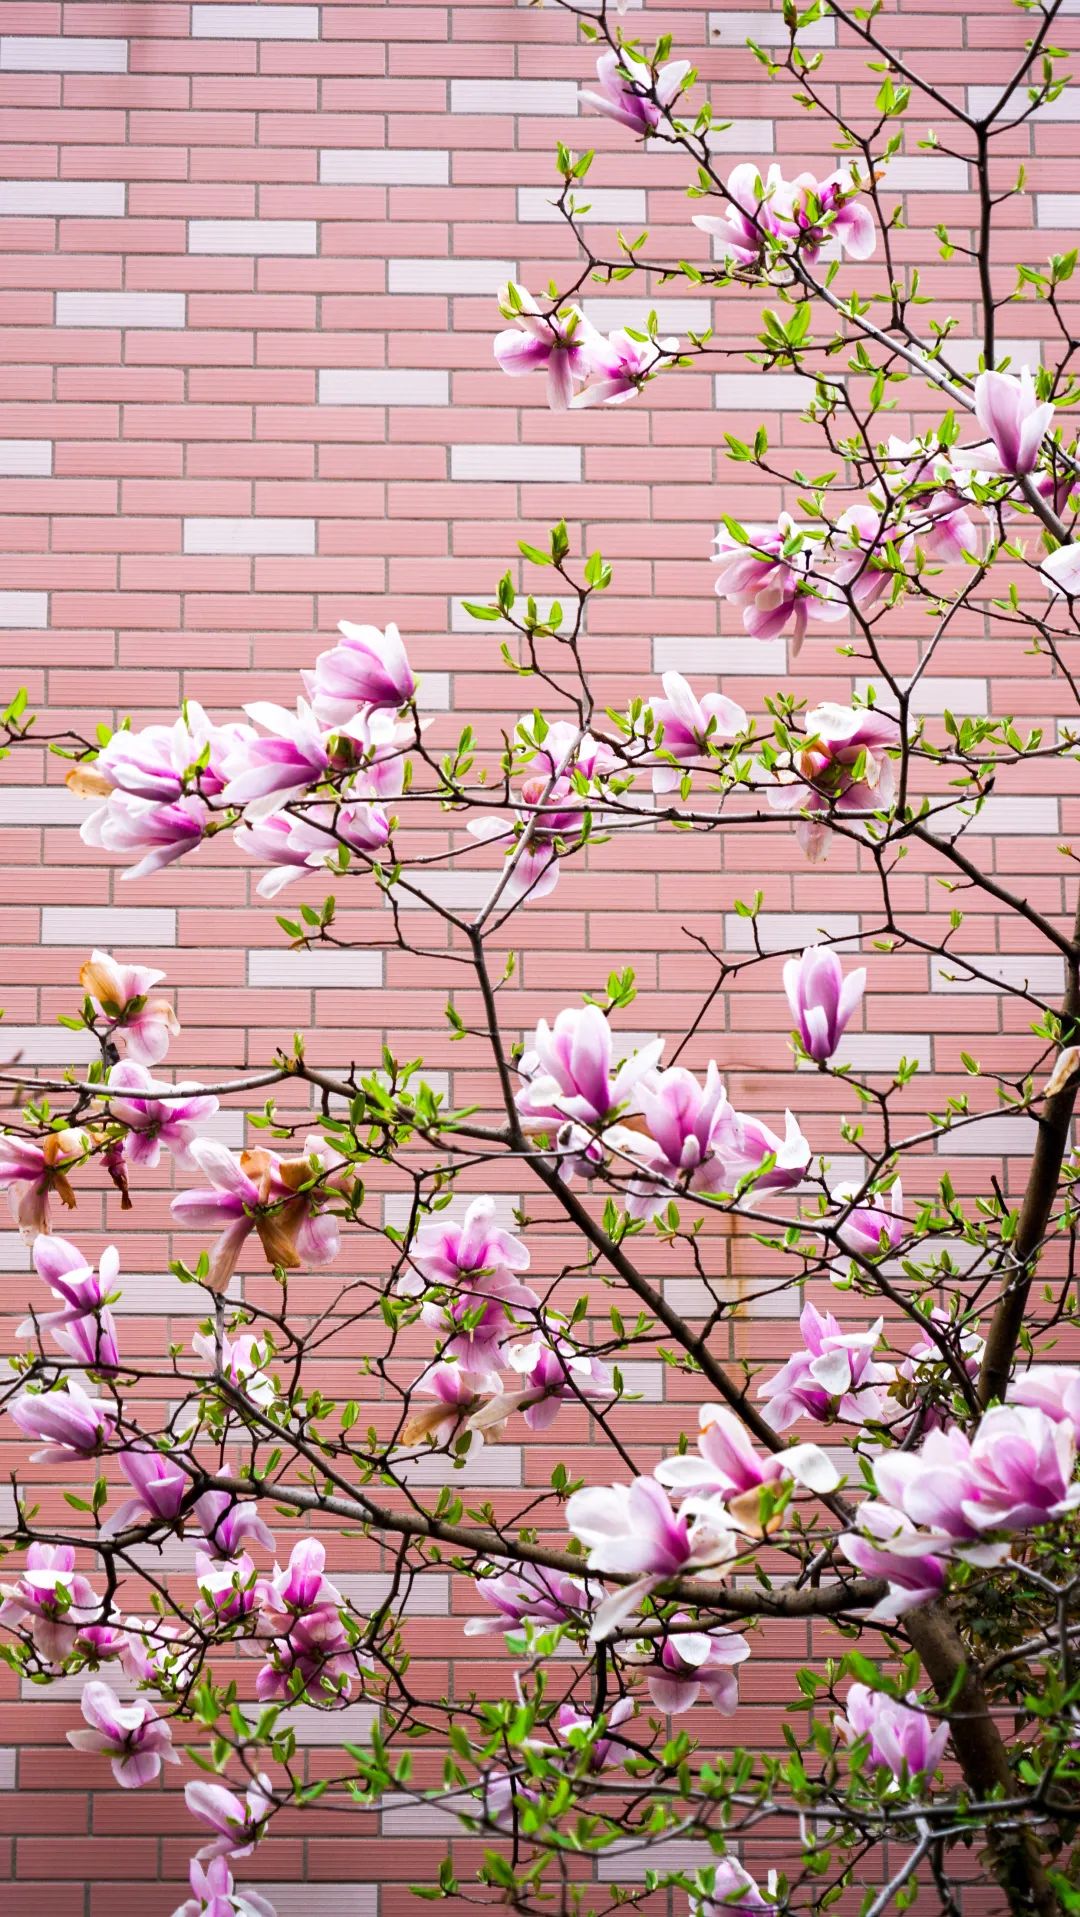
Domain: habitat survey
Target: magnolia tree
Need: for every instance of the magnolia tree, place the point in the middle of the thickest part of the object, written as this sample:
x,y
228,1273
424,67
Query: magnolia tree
x,y
908,1475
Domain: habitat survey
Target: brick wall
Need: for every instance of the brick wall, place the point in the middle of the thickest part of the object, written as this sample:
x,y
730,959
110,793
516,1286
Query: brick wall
x,y
249,258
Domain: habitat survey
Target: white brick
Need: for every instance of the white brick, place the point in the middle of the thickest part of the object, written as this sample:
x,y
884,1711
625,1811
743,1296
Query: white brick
x,y
7,1770
26,458
397,1208
47,1045
720,657
646,1381
34,53
315,1728
436,694
255,23
1044,975
461,891
121,309
981,99
561,464
881,1051
1003,814
384,386
779,930
672,316
1058,209
249,535
514,96
451,276
365,1590
252,236
279,967
161,1295
632,1860
83,199
494,1468
619,205
24,609
925,173
998,1132
753,392
335,1900
767,29
384,166
965,354
742,137
406,1819
106,925
933,696
692,1298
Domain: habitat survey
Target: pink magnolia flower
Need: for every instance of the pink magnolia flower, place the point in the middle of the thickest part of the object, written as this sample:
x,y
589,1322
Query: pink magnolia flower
x,y
729,1891
160,1653
632,1528
757,1153
241,1361
568,1071
901,1738
925,1369
32,1173
238,1821
888,1545
260,1192
552,1375
153,831
944,527
686,1664
72,1425
752,217
841,742
367,669
455,1394
1015,1472
549,814
860,539
1061,569
1052,1389
822,1000
565,748
563,344
769,577
265,772
139,1741
51,1600
591,1737
1009,412
214,1894
472,1326
529,1593
300,1610
624,81
84,1327
164,763
691,727
727,1466
871,1226
627,363
141,1026
227,1591
448,1252
160,1489
688,1134
828,209
292,846
154,1121
834,1377
229,1523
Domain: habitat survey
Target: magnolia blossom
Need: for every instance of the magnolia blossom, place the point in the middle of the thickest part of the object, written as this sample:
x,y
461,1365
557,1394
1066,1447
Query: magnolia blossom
x,y
836,1376
577,1731
239,1360
625,83
828,209
862,566
1062,570
238,1821
768,576
870,1226
71,1424
1015,1472
292,846
568,1071
691,727
759,1155
276,1197
888,1545
686,1664
1015,424
563,344
154,1121
300,1610
552,1375
822,1000
368,668
455,1394
84,1327
901,1738
729,1891
228,1523
141,1026
1052,1389
727,1466
52,1601
265,772
621,368
32,1173
688,1136
752,217
226,1588
549,813
632,1528
844,766
472,1326
152,831
214,1893
529,1593
160,762
160,1488
447,1252
138,1740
